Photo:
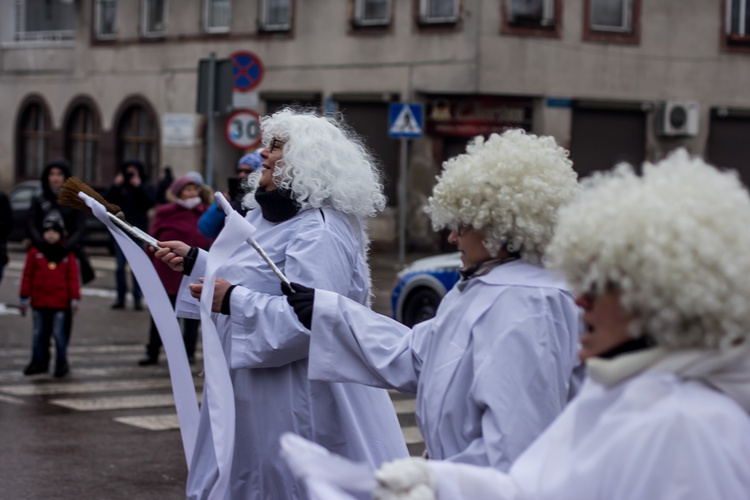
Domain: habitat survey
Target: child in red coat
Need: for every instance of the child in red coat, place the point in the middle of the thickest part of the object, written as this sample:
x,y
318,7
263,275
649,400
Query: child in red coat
x,y
53,287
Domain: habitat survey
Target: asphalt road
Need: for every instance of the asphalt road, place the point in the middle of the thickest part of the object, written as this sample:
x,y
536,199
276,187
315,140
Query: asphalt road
x,y
108,429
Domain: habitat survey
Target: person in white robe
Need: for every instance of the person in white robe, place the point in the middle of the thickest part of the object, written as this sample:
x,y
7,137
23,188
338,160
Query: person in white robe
x,y
660,264
316,189
495,366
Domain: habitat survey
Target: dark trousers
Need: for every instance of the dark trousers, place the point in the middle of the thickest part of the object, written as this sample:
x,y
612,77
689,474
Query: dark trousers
x,y
189,335
120,279
50,323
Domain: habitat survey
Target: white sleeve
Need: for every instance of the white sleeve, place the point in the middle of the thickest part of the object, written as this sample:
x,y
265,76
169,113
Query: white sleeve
x,y
351,343
455,481
265,331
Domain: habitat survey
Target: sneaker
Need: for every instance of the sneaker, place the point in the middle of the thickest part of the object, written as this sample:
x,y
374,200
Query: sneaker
x,y
34,368
61,369
148,361
118,305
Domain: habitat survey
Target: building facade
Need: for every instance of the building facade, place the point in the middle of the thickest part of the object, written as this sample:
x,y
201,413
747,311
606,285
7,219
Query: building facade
x,y
100,81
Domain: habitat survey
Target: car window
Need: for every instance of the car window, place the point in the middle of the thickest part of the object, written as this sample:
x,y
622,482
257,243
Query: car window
x,y
20,199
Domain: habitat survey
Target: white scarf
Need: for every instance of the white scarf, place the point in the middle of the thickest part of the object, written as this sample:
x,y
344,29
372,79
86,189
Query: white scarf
x,y
190,203
726,370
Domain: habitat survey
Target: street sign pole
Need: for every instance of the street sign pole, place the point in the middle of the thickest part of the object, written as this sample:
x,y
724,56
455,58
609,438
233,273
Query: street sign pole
x,y
211,113
405,121
402,203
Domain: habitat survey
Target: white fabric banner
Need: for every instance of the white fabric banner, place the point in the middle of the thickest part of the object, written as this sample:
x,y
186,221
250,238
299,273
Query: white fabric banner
x,y
218,383
326,476
183,389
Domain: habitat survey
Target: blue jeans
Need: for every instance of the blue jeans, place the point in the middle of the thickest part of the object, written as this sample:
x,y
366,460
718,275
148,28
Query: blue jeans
x,y
50,322
122,285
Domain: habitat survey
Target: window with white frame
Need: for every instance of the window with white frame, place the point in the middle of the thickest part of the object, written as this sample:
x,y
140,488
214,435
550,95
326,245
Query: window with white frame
x,y
738,17
611,15
153,18
438,11
275,15
106,19
44,21
216,16
372,12
531,13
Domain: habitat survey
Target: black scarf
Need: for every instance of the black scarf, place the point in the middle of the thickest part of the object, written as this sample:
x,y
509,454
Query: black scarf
x,y
277,205
643,342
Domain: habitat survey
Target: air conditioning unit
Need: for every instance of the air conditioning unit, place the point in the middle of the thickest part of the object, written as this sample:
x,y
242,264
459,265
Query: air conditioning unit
x,y
678,118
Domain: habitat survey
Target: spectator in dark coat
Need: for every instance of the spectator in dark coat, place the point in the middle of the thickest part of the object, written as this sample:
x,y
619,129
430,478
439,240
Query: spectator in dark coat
x,y
53,176
135,195
6,225
177,220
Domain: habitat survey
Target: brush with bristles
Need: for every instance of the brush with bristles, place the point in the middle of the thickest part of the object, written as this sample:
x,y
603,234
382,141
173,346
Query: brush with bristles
x,y
69,196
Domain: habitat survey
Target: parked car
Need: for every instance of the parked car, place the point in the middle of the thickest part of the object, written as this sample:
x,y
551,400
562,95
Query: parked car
x,y
20,200
422,286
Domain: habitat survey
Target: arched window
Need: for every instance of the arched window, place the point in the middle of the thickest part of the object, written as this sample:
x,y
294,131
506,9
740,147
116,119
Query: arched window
x,y
33,135
82,144
137,137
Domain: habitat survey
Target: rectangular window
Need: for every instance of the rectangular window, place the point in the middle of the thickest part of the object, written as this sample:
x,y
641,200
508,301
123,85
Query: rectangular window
x,y
216,16
531,13
738,18
612,15
275,15
154,17
44,21
106,19
438,11
372,12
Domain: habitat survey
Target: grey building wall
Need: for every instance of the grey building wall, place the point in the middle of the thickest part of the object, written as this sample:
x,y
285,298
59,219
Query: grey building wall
x,y
679,55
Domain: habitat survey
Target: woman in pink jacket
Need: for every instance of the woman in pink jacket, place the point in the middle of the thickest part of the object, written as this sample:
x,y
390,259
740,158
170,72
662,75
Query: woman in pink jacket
x,y
177,220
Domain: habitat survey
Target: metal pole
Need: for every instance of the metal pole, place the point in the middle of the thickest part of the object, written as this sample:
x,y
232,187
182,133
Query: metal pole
x,y
402,204
211,98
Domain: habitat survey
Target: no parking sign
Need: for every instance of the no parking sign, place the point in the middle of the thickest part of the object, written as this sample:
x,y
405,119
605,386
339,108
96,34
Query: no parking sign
x,y
247,69
242,129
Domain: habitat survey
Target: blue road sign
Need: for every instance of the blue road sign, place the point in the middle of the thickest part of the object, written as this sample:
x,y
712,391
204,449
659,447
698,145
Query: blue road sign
x,y
405,120
247,69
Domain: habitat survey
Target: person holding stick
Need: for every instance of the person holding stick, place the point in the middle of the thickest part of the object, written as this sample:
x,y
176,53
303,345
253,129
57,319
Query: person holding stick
x,y
495,366
318,186
659,263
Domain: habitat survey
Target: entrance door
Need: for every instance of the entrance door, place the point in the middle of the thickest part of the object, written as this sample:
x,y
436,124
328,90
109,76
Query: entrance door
x,y
729,144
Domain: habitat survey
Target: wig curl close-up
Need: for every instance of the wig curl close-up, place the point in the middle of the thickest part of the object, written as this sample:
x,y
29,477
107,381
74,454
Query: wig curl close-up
x,y
325,164
510,187
674,242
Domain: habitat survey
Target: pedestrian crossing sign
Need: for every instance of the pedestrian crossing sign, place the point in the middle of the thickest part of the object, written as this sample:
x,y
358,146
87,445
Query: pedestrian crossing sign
x,y
405,120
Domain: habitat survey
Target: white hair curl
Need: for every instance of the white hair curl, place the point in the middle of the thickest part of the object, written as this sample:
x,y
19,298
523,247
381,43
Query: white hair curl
x,y
324,163
674,242
510,187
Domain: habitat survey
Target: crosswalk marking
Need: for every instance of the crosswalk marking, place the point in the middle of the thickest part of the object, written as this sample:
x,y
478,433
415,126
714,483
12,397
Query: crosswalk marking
x,y
116,402
106,378
86,387
152,422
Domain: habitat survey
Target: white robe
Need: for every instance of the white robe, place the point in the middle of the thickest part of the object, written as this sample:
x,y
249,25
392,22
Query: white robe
x,y
491,371
664,433
268,348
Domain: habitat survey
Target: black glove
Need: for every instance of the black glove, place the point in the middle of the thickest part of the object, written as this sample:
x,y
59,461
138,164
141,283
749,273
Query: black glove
x,y
301,299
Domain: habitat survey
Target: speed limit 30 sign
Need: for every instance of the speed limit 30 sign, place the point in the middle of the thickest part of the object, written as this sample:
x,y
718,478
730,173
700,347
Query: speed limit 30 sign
x,y
242,129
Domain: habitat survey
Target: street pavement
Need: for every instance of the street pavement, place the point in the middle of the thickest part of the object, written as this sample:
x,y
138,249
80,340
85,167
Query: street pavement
x,y
109,429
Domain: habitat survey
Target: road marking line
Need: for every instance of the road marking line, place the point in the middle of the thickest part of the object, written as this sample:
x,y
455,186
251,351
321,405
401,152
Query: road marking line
x,y
88,387
412,435
11,400
116,403
152,422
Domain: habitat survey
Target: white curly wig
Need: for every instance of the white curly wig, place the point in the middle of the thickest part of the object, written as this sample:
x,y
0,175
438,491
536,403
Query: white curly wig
x,y
674,242
510,187
324,164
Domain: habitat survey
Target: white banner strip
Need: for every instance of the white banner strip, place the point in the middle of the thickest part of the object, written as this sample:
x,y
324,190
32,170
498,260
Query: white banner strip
x,y
166,322
218,383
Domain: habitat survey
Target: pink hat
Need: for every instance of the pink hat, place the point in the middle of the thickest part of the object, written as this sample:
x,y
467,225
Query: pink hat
x,y
179,184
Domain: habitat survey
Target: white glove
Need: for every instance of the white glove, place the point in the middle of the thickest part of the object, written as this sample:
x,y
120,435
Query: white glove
x,y
404,479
